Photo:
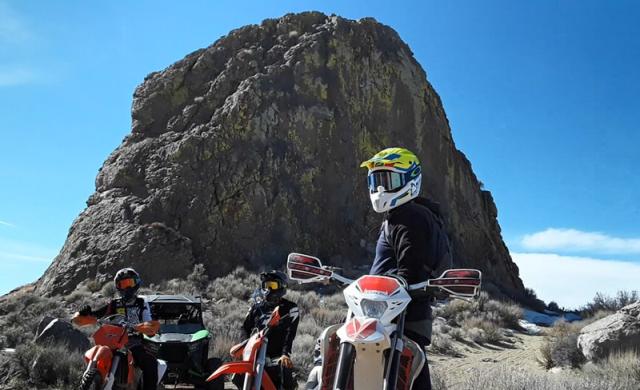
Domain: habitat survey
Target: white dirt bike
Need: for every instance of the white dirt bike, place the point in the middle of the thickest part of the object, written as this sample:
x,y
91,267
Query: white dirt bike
x,y
369,351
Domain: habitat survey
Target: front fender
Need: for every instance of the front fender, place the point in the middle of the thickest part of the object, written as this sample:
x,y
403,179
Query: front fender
x,y
102,356
232,368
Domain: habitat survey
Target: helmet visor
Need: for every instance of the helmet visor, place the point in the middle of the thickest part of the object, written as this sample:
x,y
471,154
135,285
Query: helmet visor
x,y
389,180
271,285
125,283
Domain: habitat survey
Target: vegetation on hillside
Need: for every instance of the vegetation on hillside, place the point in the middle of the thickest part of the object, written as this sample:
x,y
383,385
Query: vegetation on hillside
x,y
483,322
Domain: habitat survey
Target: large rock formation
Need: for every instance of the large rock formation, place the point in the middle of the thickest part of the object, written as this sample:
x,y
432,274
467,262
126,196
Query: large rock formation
x,y
618,332
249,149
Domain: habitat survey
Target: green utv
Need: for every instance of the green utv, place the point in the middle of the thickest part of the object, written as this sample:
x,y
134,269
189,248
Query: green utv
x,y
183,341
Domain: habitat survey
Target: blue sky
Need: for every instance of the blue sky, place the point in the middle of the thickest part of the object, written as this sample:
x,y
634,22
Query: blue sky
x,y
543,97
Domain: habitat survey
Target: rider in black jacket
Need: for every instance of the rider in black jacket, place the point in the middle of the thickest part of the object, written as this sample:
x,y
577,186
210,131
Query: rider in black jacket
x,y
273,288
412,241
136,310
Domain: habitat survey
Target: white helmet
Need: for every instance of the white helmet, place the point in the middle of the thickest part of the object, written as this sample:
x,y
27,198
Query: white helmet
x,y
394,178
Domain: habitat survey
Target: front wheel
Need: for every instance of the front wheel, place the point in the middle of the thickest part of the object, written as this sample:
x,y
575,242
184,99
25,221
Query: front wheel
x,y
345,366
91,380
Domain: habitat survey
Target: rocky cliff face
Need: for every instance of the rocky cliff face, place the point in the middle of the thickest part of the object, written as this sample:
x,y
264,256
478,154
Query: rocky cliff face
x,y
249,149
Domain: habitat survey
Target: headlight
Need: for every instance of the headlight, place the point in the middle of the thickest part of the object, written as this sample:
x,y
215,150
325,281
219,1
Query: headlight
x,y
373,309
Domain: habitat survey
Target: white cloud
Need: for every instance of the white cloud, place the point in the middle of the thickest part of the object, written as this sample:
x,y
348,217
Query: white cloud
x,y
13,29
7,224
9,257
573,281
18,75
572,240
17,252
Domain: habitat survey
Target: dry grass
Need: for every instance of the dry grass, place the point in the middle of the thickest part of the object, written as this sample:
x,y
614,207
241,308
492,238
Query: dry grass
x,y
619,372
560,347
481,321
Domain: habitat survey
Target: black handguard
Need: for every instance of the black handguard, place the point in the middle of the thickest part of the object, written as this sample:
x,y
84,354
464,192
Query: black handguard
x,y
85,310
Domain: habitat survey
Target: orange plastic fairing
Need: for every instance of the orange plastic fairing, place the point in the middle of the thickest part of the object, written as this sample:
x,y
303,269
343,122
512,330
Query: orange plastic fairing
x,y
83,320
241,368
102,356
149,328
275,317
112,336
236,350
232,368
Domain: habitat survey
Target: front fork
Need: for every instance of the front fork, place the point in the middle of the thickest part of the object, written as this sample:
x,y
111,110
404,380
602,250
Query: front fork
x,y
393,361
111,378
345,366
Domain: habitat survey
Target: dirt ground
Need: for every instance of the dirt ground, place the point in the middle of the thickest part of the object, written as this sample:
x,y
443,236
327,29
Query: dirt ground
x,y
521,353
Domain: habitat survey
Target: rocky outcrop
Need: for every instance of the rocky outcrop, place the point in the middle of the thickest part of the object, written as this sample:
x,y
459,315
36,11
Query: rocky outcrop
x,y
615,333
56,331
250,148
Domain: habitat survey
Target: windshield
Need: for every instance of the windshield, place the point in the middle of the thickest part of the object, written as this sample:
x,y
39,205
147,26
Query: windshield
x,y
178,317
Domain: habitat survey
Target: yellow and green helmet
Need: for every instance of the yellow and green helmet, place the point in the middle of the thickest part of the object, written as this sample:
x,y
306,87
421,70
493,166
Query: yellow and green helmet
x,y
394,176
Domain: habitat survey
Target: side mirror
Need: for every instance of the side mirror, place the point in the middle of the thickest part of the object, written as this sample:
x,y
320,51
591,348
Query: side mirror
x,y
463,283
306,269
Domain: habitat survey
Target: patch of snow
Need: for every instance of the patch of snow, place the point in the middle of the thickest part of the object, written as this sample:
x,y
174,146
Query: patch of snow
x,y
548,318
530,328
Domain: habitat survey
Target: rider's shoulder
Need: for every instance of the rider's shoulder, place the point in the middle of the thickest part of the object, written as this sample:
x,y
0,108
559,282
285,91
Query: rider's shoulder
x,y
287,304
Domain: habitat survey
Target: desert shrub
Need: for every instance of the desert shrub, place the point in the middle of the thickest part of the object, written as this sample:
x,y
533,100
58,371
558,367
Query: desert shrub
x,y
529,298
34,366
93,285
480,321
560,346
508,314
24,312
199,278
553,306
603,302
301,354
442,343
238,284
482,331
108,290
79,297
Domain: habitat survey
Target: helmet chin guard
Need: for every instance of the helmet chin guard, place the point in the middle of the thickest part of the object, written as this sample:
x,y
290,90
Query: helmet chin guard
x,y
383,201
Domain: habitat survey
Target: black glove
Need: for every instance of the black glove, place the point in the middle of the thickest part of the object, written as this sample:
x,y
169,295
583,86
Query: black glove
x,y
85,310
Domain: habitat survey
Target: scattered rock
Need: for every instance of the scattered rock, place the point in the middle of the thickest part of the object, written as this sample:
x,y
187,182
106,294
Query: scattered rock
x,y
61,332
617,332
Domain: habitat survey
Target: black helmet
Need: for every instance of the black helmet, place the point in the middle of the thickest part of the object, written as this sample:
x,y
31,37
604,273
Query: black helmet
x,y
274,285
127,282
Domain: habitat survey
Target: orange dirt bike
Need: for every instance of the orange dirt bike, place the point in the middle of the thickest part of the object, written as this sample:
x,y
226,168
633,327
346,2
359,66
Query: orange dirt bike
x,y
109,362
252,356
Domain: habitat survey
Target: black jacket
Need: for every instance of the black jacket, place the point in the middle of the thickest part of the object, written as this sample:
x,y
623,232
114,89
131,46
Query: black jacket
x,y
412,244
281,337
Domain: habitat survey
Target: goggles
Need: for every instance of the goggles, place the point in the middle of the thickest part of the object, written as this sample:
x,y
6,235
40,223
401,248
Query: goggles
x,y
271,285
126,283
389,180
